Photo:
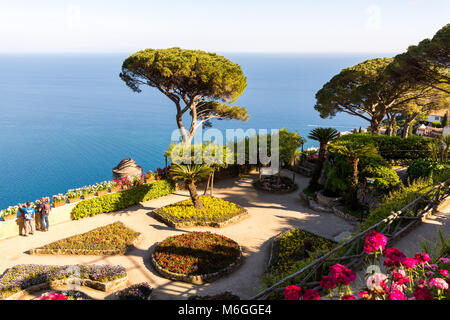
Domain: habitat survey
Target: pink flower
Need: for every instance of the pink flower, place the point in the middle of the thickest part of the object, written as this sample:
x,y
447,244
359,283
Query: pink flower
x,y
445,260
430,273
395,295
374,241
444,272
328,282
292,292
53,296
341,274
439,283
393,253
422,257
348,297
398,286
421,293
375,281
409,262
311,294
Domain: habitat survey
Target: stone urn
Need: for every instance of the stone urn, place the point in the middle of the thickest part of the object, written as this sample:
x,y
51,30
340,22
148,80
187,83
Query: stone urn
x,y
126,168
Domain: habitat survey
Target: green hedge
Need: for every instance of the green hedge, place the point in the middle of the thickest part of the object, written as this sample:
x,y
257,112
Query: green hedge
x,y
423,168
395,147
120,200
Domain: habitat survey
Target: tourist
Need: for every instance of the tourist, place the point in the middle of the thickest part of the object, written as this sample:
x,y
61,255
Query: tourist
x,y
21,218
44,210
29,217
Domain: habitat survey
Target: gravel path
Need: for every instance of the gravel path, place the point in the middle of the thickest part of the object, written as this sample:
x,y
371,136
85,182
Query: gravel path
x,y
269,215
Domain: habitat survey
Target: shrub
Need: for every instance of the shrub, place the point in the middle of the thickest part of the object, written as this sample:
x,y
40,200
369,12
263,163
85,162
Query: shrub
x,y
114,238
386,179
227,295
140,291
183,212
395,147
423,168
196,253
120,200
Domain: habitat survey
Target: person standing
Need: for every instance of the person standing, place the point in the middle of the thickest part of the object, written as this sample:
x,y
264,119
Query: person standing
x,y
45,211
29,217
21,219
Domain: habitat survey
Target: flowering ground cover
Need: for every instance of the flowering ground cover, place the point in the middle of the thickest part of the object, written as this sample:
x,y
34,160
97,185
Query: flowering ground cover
x,y
216,211
114,238
24,276
140,291
65,295
196,253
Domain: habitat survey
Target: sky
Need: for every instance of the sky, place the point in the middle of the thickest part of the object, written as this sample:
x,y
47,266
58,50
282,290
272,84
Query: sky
x,y
319,26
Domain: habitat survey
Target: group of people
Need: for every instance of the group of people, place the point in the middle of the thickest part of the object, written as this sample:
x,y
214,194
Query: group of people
x,y
26,215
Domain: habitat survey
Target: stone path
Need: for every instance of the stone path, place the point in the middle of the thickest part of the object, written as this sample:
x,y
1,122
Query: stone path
x,y
269,215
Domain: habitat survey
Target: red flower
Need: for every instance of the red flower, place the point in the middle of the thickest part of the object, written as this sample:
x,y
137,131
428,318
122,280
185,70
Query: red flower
x,y
421,293
311,294
409,262
341,274
374,241
348,297
422,257
395,295
393,253
328,282
292,292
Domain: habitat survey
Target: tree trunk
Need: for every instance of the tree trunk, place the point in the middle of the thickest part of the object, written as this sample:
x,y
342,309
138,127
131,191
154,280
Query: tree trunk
x,y
391,121
375,126
353,196
207,184
211,190
198,204
407,127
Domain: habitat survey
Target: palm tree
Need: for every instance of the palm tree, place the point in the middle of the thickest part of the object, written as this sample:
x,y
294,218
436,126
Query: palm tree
x,y
191,173
324,136
353,152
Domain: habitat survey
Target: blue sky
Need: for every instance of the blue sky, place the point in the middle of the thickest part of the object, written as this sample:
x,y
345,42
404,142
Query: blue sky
x,y
224,26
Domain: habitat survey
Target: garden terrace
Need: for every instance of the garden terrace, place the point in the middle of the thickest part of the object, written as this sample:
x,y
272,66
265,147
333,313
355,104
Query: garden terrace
x,y
113,239
196,257
27,276
217,213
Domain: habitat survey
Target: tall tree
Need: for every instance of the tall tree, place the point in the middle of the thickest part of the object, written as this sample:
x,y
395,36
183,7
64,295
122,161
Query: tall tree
x,y
365,91
289,144
353,152
324,136
203,84
428,63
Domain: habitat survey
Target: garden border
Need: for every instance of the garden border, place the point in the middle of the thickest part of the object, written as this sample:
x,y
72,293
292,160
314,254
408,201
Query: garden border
x,y
40,251
241,215
198,279
96,285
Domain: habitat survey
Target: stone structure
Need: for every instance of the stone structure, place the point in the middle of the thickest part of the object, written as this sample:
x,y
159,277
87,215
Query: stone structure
x,y
126,168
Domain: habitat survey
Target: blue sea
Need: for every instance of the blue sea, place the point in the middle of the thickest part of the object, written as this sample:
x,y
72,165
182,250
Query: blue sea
x,y
67,120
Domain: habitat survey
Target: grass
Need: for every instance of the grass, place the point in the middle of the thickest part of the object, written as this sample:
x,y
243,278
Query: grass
x,y
114,238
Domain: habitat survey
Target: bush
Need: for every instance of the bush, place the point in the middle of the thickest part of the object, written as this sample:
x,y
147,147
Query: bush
x,y
386,179
423,168
140,291
196,253
124,199
114,238
395,147
184,213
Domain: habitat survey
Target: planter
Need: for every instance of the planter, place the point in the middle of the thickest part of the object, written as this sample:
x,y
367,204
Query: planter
x,y
88,196
10,217
114,189
102,193
328,202
59,204
72,200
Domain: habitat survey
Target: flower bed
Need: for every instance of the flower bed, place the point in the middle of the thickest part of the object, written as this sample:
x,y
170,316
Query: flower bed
x,y
120,200
217,213
65,295
270,184
27,276
291,251
113,239
140,291
196,257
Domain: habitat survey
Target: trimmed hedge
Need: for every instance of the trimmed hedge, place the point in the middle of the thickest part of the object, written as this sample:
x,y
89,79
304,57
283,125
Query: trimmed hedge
x,y
394,147
121,200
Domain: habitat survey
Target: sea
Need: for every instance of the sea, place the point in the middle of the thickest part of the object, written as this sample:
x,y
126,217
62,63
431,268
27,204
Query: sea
x,y
67,119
